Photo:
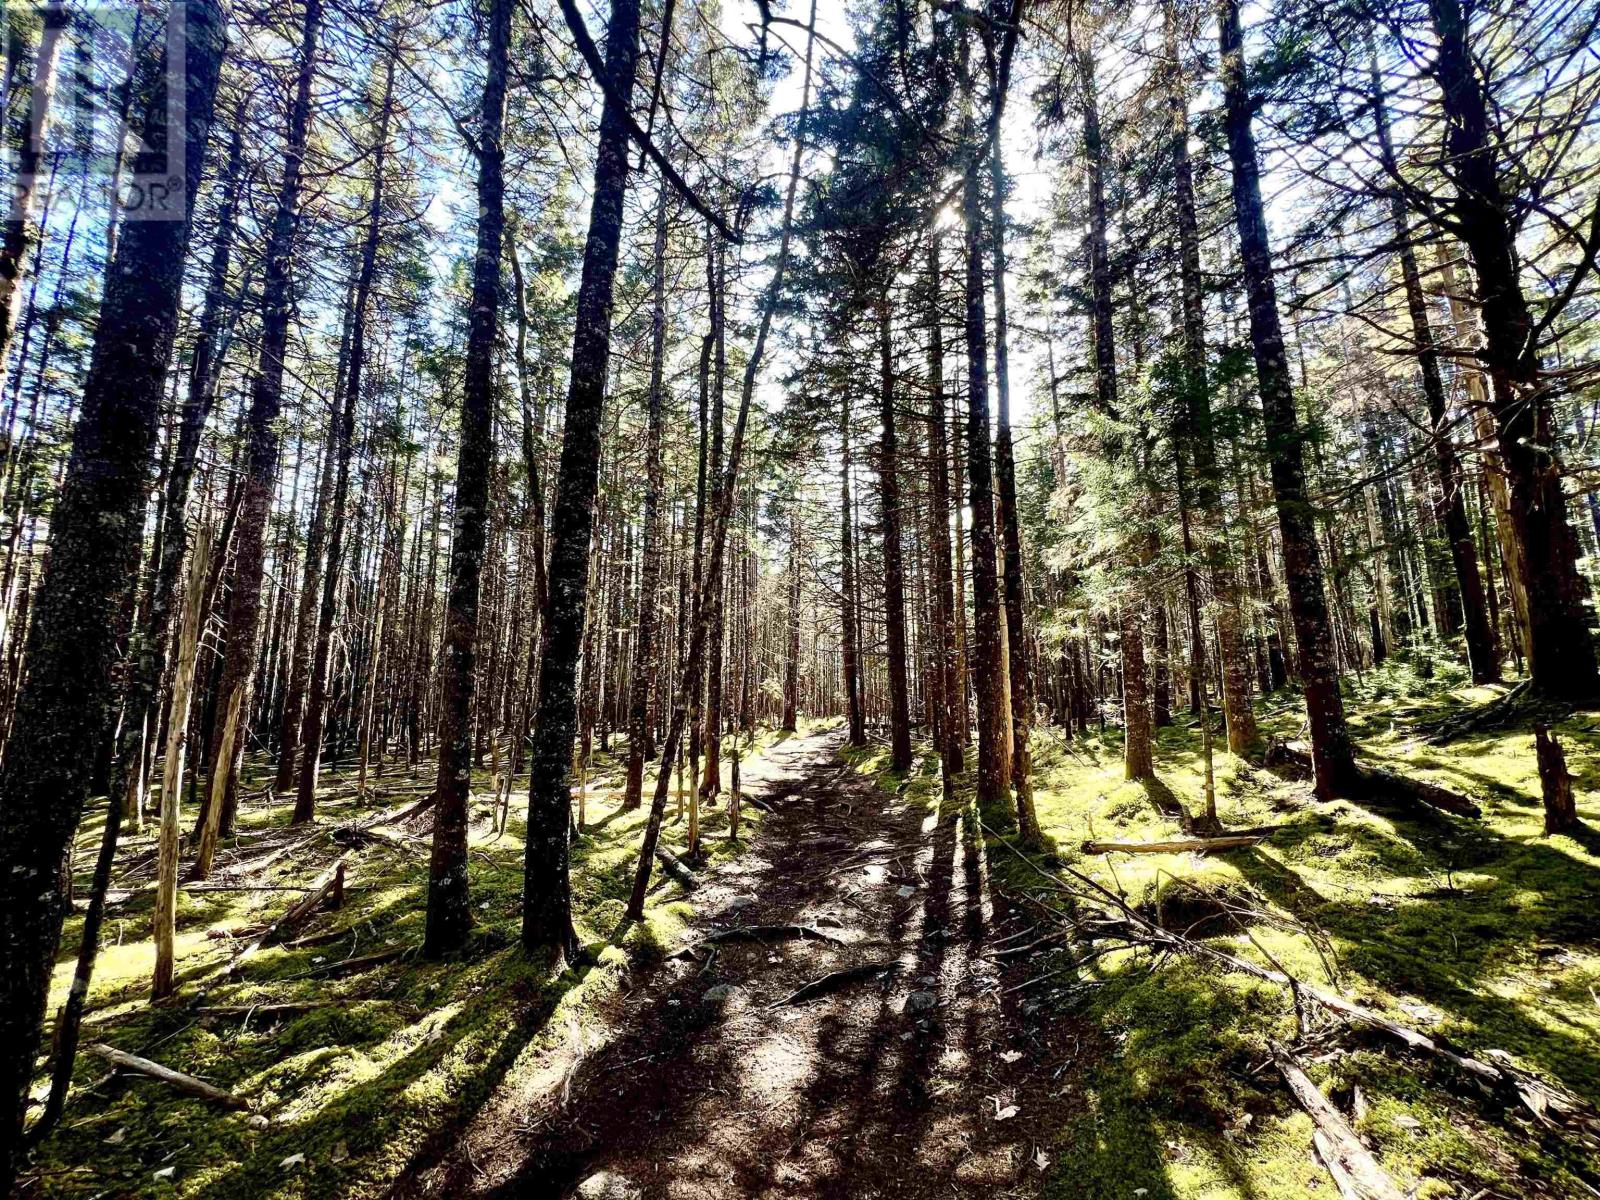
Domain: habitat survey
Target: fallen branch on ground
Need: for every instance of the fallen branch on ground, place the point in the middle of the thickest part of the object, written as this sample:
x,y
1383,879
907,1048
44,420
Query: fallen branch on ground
x,y
1355,1172
349,966
329,884
1550,1106
834,980
677,868
1195,845
184,1083
1377,781
288,1008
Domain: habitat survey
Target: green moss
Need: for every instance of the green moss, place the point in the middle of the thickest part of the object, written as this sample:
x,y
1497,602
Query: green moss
x,y
396,1054
1481,931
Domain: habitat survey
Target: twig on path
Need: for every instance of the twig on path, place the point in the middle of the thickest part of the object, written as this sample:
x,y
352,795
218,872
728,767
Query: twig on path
x,y
834,980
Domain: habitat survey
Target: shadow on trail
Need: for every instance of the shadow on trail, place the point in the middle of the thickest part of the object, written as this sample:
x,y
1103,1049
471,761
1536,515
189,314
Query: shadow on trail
x,y
925,1080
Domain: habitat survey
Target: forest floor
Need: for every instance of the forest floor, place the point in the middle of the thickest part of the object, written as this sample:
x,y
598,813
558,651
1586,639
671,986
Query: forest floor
x,y
658,1068
913,1078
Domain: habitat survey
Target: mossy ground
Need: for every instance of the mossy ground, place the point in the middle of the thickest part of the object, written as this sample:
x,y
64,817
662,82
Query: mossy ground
x,y
1484,931
401,1053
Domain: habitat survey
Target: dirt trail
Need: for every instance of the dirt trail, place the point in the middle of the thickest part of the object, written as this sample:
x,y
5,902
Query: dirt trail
x,y
917,1082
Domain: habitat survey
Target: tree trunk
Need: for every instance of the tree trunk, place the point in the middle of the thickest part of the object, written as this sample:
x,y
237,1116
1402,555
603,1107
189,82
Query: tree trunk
x,y
849,645
547,893
449,910
21,229
1020,675
1560,807
952,710
1332,755
1561,658
340,448
1450,507
649,580
719,527
63,712
261,441
791,658
172,782
988,608
894,580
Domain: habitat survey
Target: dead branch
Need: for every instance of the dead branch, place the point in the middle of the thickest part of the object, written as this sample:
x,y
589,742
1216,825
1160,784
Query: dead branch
x,y
834,980
1194,845
1355,1172
184,1083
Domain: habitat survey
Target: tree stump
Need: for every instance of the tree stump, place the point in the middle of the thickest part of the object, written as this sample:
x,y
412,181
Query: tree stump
x,y
1560,807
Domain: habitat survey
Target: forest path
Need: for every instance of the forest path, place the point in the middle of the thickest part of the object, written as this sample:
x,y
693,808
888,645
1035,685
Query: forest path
x,y
901,1084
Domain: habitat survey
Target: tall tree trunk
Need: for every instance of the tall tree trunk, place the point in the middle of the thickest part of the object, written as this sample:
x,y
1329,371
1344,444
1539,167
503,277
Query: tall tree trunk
x,y
1333,759
849,618
63,712
262,446
166,913
449,910
1561,658
547,891
951,714
1137,753
791,657
1450,506
988,608
341,447
894,578
711,781
1198,446
1021,678
21,229
650,575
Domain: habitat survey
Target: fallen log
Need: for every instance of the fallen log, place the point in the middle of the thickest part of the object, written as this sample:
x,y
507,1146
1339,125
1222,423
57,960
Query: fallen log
x,y
349,966
834,980
1550,1106
1377,781
677,868
1355,1172
1194,845
329,884
184,1083
1431,794
288,1008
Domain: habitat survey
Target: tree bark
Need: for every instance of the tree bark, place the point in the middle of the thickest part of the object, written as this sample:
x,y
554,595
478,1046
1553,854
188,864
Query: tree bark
x,y
952,710
650,576
64,710
1561,658
988,608
449,911
1450,508
341,448
262,448
894,579
1020,674
547,891
1331,750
